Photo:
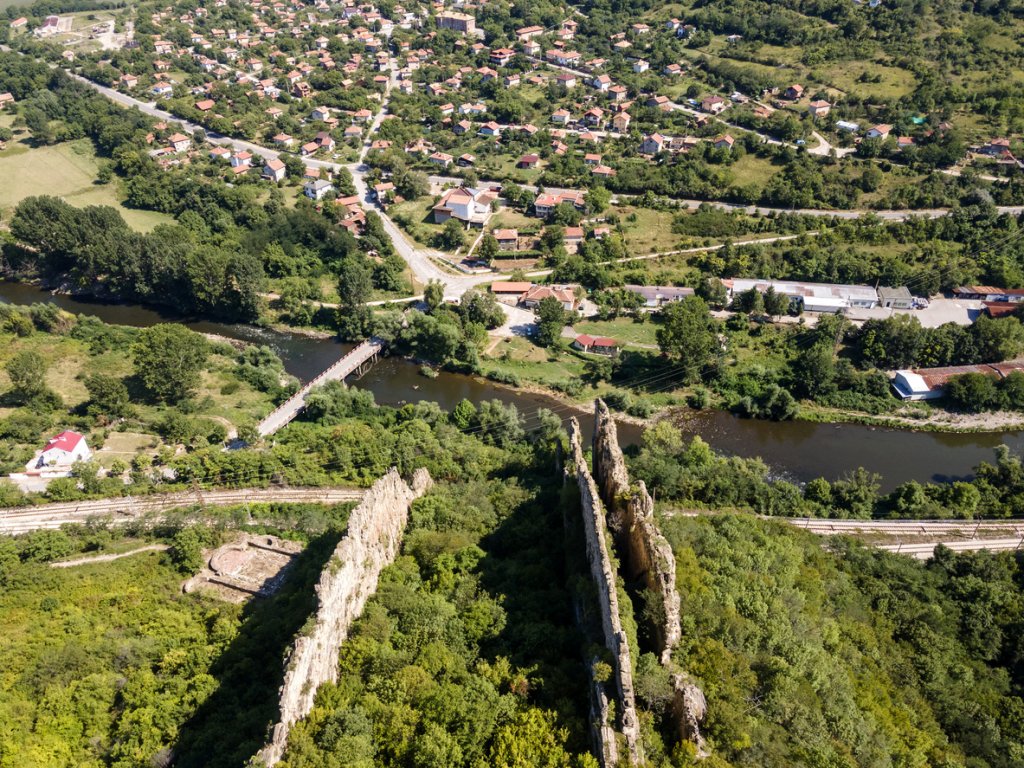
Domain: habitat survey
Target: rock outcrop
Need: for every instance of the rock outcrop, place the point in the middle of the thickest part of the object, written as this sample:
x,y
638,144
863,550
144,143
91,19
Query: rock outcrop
x,y
646,555
350,577
605,582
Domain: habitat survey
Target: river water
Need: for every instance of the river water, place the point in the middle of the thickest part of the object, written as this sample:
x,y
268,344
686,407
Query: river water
x,y
796,450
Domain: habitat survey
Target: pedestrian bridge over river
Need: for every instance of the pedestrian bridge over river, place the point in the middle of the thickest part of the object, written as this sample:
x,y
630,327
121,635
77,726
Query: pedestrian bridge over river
x,y
358,361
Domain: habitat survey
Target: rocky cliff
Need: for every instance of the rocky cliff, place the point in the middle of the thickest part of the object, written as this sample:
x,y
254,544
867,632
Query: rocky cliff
x,y
646,555
350,577
605,581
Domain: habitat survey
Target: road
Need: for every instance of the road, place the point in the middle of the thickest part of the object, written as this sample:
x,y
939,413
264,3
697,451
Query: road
x,y
15,520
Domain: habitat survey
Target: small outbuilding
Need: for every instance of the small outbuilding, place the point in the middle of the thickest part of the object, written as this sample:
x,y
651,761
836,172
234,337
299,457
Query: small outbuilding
x,y
895,298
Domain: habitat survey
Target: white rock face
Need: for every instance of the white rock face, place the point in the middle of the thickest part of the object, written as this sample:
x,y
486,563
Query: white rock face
x,y
372,542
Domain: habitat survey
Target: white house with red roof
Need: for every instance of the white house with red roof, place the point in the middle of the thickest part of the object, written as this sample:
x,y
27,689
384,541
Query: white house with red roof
x,y
62,450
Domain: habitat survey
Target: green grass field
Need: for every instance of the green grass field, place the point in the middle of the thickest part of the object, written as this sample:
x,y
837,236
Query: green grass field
x,y
68,171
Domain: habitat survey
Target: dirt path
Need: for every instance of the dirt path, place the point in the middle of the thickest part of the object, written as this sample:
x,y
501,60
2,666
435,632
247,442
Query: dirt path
x,y
108,558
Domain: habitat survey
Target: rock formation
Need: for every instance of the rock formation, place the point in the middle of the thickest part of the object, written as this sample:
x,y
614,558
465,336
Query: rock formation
x,y
350,577
605,581
646,555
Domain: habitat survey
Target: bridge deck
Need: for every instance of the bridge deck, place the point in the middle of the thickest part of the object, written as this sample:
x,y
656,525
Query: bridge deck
x,y
349,364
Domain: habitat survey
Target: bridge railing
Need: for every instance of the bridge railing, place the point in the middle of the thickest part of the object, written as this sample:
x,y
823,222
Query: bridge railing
x,y
290,407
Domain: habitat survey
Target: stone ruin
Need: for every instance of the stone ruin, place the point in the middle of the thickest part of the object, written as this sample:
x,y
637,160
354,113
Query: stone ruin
x,y
253,565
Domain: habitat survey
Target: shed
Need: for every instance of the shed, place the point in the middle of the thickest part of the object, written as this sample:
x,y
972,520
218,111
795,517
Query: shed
x,y
896,298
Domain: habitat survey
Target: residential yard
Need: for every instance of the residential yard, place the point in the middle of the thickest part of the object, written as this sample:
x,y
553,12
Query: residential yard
x,y
623,329
67,171
645,230
414,216
752,171
524,359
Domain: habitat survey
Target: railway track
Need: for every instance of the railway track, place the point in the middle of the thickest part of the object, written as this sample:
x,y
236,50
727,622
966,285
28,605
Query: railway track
x,y
14,520
926,550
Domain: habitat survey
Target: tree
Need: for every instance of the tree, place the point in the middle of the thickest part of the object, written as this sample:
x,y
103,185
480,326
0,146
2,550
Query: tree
x,y
186,550
489,248
551,318
108,396
482,308
598,199
27,371
433,295
973,392
814,370
750,301
452,236
775,304
687,335
168,358
355,286
713,291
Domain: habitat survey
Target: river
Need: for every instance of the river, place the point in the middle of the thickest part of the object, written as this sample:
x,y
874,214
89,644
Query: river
x,y
796,450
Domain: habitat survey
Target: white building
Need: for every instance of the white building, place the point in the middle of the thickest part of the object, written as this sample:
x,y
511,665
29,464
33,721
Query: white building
x,y
814,297
472,206
64,450
317,190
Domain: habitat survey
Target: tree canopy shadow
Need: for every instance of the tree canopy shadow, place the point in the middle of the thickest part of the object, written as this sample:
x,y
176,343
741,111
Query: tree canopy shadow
x,y
234,723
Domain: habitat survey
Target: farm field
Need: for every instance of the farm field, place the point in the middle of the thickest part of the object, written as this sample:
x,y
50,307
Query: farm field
x,y
67,171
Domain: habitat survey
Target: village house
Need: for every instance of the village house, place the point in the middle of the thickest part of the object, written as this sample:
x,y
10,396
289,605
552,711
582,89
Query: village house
x,y
653,144
63,450
274,170
508,239
466,204
546,202
537,293
317,190
528,161
713,104
819,108
656,296
441,158
879,132
794,92
596,345
510,293
457,22
180,143
6,99
620,122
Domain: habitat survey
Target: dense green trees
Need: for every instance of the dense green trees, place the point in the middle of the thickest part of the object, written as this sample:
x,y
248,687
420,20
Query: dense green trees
x,y
687,335
168,358
853,658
